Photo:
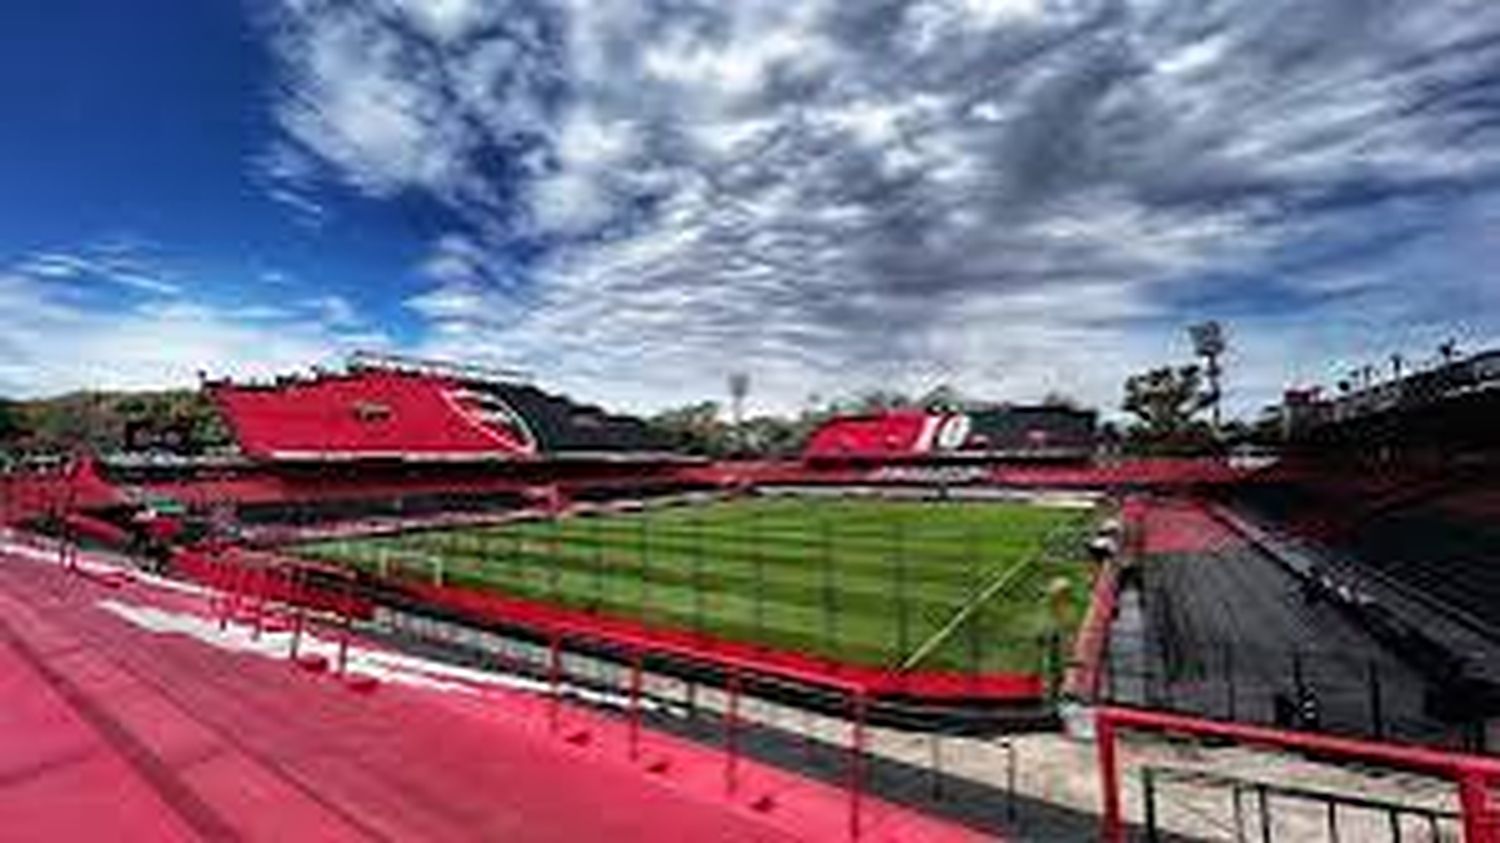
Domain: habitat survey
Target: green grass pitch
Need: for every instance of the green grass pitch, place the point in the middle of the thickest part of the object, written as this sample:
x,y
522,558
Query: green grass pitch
x,y
948,585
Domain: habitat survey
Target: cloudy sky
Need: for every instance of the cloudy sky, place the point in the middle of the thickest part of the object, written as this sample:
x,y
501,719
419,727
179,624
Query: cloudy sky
x,y
633,198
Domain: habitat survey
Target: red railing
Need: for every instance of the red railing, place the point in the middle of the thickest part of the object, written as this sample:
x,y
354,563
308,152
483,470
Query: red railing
x,y
1474,775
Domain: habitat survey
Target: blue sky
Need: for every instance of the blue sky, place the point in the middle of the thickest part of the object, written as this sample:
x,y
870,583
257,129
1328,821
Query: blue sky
x,y
632,199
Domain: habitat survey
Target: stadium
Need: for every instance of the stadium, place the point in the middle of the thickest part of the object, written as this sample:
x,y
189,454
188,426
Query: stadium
x,y
902,421
895,614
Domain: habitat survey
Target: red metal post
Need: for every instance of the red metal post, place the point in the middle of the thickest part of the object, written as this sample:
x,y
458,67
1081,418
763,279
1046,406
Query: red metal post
x,y
1111,824
554,680
856,758
635,706
237,589
300,619
346,610
261,584
219,582
731,736
1481,825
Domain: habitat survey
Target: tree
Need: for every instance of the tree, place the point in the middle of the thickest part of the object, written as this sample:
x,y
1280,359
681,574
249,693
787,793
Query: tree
x,y
942,399
694,428
1166,403
100,420
772,436
10,422
881,400
1061,400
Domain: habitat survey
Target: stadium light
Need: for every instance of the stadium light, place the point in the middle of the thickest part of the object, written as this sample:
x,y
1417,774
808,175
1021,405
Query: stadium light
x,y
1209,343
739,387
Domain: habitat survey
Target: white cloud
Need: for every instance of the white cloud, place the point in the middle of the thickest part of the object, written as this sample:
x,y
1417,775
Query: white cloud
x,y
57,333
449,20
1022,196
52,346
334,311
121,262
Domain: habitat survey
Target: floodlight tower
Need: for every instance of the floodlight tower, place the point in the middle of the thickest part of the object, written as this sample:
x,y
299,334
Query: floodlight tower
x,y
1209,343
739,387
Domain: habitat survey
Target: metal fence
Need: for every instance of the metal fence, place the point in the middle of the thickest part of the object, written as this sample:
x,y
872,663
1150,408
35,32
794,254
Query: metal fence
x,y
1172,776
1348,693
618,698
1235,808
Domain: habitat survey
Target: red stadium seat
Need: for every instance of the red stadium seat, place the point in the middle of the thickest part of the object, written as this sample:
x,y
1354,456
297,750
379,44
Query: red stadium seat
x,y
895,433
364,414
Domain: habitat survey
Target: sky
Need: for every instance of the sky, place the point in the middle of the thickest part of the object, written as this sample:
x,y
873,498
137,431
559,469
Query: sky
x,y
631,199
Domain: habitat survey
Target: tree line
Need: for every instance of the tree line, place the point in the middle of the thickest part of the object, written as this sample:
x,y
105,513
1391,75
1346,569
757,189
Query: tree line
x,y
106,421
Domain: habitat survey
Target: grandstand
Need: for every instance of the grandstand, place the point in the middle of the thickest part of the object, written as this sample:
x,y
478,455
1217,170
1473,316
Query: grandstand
x,y
391,408
1356,576
394,440
367,415
984,435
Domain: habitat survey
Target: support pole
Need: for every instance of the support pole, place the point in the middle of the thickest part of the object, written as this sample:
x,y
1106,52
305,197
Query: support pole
x,y
698,595
644,570
228,577
856,766
1481,825
1010,780
731,734
598,567
240,577
759,559
300,619
1229,680
554,564
261,585
1148,798
826,591
635,706
554,681
1263,803
1111,823
346,624
971,632
935,765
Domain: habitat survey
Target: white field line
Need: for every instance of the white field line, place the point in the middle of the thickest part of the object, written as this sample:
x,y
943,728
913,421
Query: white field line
x,y
995,586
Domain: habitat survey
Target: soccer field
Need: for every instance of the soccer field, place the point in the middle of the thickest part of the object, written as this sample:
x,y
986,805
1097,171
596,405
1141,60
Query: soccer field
x,y
914,584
